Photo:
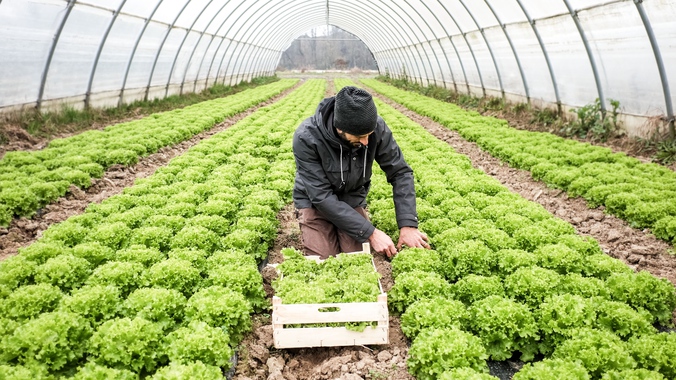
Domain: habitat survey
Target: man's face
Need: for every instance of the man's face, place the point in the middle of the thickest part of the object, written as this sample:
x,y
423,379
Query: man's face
x,y
356,141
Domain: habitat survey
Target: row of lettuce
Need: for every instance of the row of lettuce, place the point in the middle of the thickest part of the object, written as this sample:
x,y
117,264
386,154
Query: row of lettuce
x,y
158,282
641,193
30,180
506,279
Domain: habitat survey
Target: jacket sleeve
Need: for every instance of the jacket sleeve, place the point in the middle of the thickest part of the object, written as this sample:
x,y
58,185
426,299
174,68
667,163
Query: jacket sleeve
x,y
400,176
318,189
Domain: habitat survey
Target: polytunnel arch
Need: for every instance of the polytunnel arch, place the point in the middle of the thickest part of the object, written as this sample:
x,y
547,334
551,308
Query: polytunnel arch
x,y
270,12
564,53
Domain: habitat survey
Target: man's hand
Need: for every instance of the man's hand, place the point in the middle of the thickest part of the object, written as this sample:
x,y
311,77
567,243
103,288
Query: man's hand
x,y
382,243
413,238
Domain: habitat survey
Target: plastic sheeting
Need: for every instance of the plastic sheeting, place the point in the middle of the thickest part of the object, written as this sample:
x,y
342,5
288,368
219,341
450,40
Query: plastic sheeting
x,y
563,53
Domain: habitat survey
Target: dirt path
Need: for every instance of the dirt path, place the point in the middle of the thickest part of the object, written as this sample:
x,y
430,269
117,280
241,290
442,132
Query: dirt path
x,y
23,231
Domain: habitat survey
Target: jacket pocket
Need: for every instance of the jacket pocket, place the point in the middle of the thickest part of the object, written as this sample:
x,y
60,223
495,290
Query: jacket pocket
x,y
337,183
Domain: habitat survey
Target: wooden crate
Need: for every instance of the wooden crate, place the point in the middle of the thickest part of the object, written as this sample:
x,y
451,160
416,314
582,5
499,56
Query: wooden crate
x,y
299,314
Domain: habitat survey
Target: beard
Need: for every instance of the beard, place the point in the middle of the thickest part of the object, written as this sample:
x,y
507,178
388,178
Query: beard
x,y
343,136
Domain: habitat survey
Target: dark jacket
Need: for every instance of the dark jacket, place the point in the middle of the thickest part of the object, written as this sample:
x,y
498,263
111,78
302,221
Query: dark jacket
x,y
318,149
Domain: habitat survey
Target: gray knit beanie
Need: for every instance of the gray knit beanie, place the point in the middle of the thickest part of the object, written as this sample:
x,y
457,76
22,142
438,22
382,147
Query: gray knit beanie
x,y
354,112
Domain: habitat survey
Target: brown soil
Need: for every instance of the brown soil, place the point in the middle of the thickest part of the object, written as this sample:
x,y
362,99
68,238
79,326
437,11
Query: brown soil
x,y
24,231
17,138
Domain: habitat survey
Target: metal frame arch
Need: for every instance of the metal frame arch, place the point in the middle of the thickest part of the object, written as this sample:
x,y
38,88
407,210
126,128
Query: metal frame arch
x,y
397,45
356,38
133,51
400,56
48,63
413,41
248,26
434,79
511,45
98,53
223,38
159,50
266,62
187,67
261,20
490,50
255,41
455,86
464,37
382,44
401,44
376,41
660,64
199,68
180,47
389,45
281,40
592,62
544,53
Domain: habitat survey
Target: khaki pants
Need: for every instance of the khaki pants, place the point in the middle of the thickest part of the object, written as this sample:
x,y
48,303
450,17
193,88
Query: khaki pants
x,y
320,237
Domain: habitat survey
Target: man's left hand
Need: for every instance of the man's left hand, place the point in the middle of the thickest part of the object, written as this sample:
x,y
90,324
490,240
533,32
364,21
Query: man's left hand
x,y
413,238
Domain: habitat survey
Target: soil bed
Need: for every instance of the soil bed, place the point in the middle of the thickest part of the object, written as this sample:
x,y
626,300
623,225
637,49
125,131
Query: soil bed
x,y
24,231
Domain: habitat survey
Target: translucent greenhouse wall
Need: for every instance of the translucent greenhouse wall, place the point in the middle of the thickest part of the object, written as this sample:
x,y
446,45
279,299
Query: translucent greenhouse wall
x,y
555,53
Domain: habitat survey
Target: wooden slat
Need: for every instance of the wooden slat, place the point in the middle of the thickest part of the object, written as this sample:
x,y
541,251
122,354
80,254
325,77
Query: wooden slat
x,y
328,337
348,312
299,314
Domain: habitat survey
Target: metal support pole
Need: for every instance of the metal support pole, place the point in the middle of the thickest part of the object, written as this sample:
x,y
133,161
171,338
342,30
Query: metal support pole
x,y
52,48
490,50
98,53
261,20
225,36
464,36
592,62
192,53
159,50
403,44
544,53
133,52
511,45
443,79
180,46
660,66
455,86
396,40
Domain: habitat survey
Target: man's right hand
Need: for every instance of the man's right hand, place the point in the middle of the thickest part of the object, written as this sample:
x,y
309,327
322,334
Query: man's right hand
x,y
382,243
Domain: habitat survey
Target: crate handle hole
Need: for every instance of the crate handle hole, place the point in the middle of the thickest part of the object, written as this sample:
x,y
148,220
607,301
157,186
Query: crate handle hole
x,y
328,309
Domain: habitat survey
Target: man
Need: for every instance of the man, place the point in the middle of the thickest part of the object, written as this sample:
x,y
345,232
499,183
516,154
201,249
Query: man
x,y
334,152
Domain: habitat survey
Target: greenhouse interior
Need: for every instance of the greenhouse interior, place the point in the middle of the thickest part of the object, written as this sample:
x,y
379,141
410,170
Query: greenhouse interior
x,y
178,199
